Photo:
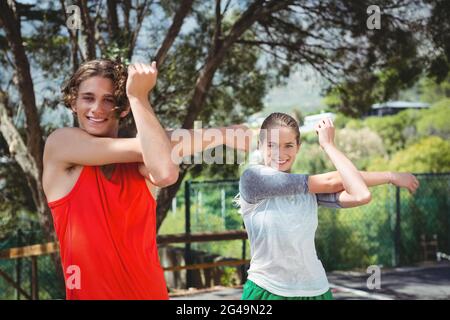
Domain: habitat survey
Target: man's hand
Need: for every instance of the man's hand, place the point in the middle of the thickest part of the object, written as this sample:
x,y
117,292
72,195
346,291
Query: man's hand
x,y
404,180
141,79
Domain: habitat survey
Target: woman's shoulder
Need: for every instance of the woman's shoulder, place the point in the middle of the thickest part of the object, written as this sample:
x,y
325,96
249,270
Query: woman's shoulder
x,y
259,170
251,171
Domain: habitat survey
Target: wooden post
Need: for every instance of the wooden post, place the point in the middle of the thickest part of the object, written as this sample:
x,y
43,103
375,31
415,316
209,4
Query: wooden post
x,y
18,265
34,279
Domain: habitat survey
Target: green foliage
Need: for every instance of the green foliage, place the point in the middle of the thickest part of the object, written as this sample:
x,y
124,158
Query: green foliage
x,y
311,158
229,277
430,154
360,145
436,120
394,130
431,91
16,206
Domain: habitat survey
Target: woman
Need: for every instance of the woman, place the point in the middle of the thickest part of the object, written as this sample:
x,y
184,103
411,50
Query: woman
x,y
280,210
100,188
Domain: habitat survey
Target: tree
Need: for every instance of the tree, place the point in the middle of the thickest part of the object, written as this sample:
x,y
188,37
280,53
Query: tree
x,y
360,145
211,65
396,130
402,66
431,91
431,154
435,121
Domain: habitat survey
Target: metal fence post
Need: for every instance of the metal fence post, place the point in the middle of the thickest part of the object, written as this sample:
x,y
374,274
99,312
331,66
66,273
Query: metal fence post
x,y
187,246
34,281
397,231
243,267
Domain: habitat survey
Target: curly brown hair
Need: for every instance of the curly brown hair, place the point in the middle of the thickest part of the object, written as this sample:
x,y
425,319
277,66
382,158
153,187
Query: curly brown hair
x,y
114,70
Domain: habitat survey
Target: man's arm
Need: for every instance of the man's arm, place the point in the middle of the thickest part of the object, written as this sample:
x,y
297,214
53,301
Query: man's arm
x,y
186,142
156,147
74,146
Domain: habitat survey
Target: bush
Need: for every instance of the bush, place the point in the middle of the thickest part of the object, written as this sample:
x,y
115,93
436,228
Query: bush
x,y
430,154
436,120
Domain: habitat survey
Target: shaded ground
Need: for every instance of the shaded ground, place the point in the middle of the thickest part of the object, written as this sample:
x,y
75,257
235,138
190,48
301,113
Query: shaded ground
x,y
411,283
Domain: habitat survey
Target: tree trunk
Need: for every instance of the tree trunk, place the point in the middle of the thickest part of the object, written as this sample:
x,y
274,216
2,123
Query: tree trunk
x,y
22,156
174,30
215,57
11,26
88,30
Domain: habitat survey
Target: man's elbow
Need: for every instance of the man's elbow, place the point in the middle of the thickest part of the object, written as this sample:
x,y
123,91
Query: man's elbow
x,y
167,177
364,197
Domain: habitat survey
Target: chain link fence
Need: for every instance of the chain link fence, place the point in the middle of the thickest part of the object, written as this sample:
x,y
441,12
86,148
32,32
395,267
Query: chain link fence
x,y
395,229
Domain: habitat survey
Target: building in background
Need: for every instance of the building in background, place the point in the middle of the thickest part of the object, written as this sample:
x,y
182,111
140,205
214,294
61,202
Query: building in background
x,y
394,107
310,121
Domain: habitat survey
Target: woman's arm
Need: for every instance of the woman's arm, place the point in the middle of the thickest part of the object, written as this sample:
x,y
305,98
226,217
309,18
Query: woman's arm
x,y
331,182
259,182
355,190
156,147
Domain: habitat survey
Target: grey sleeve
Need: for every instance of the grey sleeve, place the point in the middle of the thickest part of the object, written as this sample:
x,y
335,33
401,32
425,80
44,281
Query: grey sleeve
x,y
329,200
261,182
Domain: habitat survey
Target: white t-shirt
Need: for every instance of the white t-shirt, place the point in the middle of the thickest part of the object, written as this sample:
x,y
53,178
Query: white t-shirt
x,y
280,217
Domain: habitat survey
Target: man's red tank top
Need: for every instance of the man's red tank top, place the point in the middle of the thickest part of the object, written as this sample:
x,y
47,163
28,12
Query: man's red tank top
x,y
107,236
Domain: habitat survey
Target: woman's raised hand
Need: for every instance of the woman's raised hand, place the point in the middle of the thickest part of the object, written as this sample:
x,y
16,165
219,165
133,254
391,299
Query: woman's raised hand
x,y
325,129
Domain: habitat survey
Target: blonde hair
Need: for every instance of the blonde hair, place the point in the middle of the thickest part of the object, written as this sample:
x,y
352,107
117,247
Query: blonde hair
x,y
278,119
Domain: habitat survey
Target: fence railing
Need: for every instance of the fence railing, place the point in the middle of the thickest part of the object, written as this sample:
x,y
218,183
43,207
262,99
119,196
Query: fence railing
x,y
34,251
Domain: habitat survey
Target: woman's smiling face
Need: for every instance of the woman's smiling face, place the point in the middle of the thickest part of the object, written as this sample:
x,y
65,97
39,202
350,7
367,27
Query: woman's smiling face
x,y
280,148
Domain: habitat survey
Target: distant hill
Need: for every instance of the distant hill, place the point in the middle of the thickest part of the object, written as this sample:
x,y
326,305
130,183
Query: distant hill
x,y
302,91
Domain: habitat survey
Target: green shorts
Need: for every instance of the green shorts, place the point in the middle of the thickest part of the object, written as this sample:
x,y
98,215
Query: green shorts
x,y
254,292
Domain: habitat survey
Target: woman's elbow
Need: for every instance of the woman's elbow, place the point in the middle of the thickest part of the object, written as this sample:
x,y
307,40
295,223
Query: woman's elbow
x,y
364,197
